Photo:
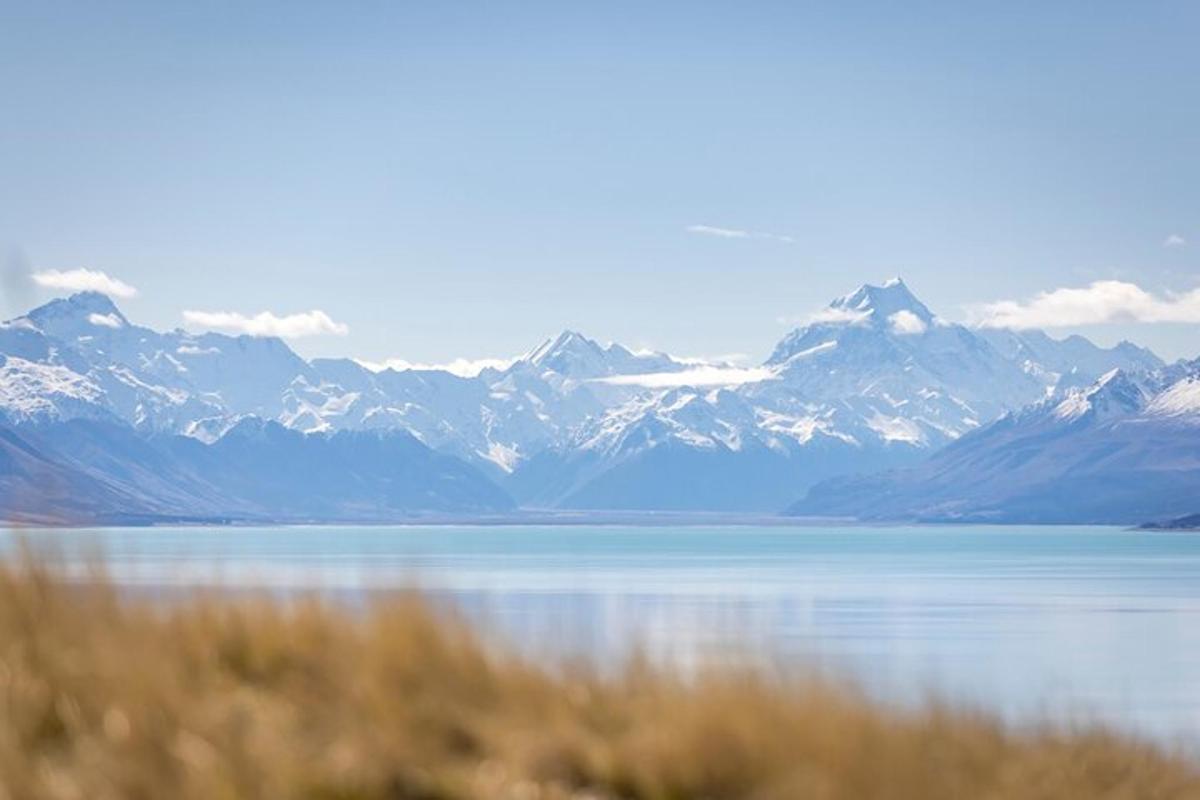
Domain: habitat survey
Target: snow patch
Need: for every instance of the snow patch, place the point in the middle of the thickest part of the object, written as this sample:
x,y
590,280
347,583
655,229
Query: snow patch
x,y
1182,399
193,350
896,429
462,367
105,320
506,457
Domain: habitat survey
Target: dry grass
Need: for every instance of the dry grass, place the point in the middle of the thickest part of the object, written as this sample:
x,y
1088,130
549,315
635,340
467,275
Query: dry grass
x,y
109,697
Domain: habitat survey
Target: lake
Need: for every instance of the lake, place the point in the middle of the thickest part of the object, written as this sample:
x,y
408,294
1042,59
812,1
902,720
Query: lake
x,y
1071,623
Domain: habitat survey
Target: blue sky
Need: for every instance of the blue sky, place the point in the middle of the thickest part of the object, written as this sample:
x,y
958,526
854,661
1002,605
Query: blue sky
x,y
445,180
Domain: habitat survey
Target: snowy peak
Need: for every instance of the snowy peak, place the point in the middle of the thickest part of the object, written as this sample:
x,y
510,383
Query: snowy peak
x,y
1114,395
871,315
77,314
883,305
572,355
568,353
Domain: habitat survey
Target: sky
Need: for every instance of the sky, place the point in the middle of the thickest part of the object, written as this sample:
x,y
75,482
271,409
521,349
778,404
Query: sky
x,y
437,181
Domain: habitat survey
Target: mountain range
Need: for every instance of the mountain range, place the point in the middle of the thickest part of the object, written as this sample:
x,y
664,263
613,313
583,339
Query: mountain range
x,y
1125,449
101,418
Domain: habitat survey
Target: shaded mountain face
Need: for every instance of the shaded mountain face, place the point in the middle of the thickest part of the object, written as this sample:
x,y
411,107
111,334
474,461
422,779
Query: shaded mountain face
x,y
88,471
1113,452
876,380
37,488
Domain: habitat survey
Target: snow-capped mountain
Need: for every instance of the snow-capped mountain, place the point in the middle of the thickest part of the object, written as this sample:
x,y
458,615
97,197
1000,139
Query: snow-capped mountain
x,y
153,381
912,376
1073,361
497,419
1114,451
875,380
693,449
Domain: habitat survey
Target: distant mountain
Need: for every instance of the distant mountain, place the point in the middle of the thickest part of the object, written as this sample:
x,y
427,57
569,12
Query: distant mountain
x,y
1073,361
345,475
35,488
1190,522
908,375
81,357
689,449
874,381
1117,451
84,470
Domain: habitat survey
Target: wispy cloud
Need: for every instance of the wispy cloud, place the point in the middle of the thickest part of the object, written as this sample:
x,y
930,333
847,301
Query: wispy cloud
x,y
1174,240
265,323
83,280
463,367
725,233
1098,303
697,376
735,233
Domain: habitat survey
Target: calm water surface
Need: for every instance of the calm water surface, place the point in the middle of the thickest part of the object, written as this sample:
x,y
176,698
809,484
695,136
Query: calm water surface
x,y
1076,623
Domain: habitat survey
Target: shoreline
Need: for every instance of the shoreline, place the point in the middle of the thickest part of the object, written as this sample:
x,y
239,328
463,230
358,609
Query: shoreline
x,y
540,518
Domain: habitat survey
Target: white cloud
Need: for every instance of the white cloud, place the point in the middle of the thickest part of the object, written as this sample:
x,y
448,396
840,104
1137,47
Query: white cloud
x,y
105,320
906,323
463,367
83,280
698,376
1174,240
290,326
1098,303
734,233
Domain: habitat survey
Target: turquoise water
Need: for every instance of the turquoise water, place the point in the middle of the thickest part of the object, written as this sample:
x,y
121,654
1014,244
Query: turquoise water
x,y
1076,623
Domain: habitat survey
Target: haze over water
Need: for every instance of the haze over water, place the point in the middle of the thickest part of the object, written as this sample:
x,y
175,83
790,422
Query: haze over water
x,y
1075,623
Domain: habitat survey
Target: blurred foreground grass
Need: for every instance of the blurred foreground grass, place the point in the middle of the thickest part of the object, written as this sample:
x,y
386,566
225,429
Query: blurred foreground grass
x,y
104,696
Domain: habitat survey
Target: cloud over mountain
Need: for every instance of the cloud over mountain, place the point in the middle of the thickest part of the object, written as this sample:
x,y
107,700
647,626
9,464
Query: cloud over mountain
x,y
266,323
906,323
1098,303
84,280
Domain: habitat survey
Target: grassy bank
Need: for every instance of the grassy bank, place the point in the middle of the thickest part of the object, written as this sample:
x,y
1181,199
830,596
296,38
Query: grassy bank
x,y
108,697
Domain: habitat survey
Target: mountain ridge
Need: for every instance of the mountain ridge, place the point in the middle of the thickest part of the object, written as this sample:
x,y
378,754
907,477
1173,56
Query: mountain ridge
x,y
1112,452
876,380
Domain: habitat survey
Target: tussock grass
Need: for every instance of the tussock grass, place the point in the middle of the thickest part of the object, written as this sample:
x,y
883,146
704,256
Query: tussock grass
x,y
107,696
